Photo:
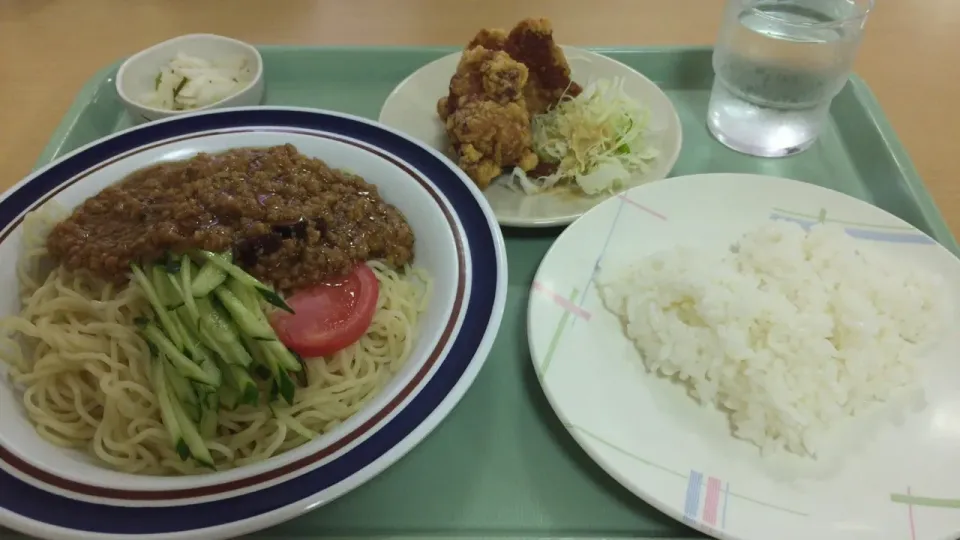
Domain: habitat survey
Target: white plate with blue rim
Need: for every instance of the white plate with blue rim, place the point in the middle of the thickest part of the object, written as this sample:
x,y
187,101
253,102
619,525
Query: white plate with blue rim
x,y
52,492
879,477
412,109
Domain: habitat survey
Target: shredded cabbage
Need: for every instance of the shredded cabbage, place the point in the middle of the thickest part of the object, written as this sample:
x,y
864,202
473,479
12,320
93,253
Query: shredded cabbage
x,y
597,139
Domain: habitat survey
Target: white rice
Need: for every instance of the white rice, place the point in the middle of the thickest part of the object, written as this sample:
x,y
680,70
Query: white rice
x,y
790,333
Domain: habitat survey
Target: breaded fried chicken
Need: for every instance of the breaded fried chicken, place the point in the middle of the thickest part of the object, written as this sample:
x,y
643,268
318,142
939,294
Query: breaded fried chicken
x,y
494,39
484,72
486,117
531,43
502,80
489,136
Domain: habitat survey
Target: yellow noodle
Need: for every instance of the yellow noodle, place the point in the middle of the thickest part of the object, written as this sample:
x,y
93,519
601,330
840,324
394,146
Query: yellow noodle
x,y
83,371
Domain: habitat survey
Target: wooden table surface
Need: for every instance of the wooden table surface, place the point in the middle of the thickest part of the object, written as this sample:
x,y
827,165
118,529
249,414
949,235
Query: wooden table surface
x,y
48,48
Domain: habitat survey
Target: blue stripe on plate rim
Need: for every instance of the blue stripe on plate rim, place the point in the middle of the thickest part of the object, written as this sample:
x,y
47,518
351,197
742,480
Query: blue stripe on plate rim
x,y
35,511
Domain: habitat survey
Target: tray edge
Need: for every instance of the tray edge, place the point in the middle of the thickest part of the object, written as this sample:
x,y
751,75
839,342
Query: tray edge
x,y
915,184
72,115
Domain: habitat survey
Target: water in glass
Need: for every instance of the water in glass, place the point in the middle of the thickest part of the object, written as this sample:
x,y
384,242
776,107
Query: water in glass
x,y
778,65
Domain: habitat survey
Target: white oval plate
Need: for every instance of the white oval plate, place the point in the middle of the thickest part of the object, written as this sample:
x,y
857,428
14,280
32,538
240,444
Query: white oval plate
x,y
898,482
412,109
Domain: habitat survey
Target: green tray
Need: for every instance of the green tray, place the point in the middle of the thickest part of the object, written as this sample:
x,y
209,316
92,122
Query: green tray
x,y
501,465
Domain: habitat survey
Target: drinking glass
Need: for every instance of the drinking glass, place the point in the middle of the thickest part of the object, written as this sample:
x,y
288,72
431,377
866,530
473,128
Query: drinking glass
x,y
778,64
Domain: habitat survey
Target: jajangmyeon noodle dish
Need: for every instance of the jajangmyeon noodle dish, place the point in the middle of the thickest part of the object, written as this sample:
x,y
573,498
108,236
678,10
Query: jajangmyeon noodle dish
x,y
210,313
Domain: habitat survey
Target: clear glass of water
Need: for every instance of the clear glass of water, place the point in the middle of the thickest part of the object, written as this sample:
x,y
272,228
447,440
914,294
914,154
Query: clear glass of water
x,y
778,65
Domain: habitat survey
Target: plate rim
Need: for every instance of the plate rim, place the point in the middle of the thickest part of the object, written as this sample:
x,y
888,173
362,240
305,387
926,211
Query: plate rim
x,y
540,223
485,230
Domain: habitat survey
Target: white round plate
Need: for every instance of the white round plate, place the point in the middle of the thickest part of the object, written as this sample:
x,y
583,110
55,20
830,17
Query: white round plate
x,y
898,482
412,109
53,492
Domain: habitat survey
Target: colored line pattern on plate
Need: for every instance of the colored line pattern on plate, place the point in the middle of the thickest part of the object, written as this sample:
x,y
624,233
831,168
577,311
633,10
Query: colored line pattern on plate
x,y
863,234
705,517
726,502
603,251
564,303
913,527
691,507
933,502
791,213
557,334
712,501
606,243
635,204
686,477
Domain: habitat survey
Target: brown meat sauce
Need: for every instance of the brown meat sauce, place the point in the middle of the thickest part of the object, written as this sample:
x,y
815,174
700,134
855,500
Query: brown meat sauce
x,y
290,220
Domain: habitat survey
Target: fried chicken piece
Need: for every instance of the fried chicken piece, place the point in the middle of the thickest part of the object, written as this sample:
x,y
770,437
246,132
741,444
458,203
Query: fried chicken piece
x,y
531,43
502,80
489,136
494,39
484,72
486,117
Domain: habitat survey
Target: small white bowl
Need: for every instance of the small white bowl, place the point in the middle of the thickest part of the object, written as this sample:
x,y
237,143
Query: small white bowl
x,y
137,74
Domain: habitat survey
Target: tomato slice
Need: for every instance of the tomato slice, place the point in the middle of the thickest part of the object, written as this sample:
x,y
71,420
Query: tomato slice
x,y
330,316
